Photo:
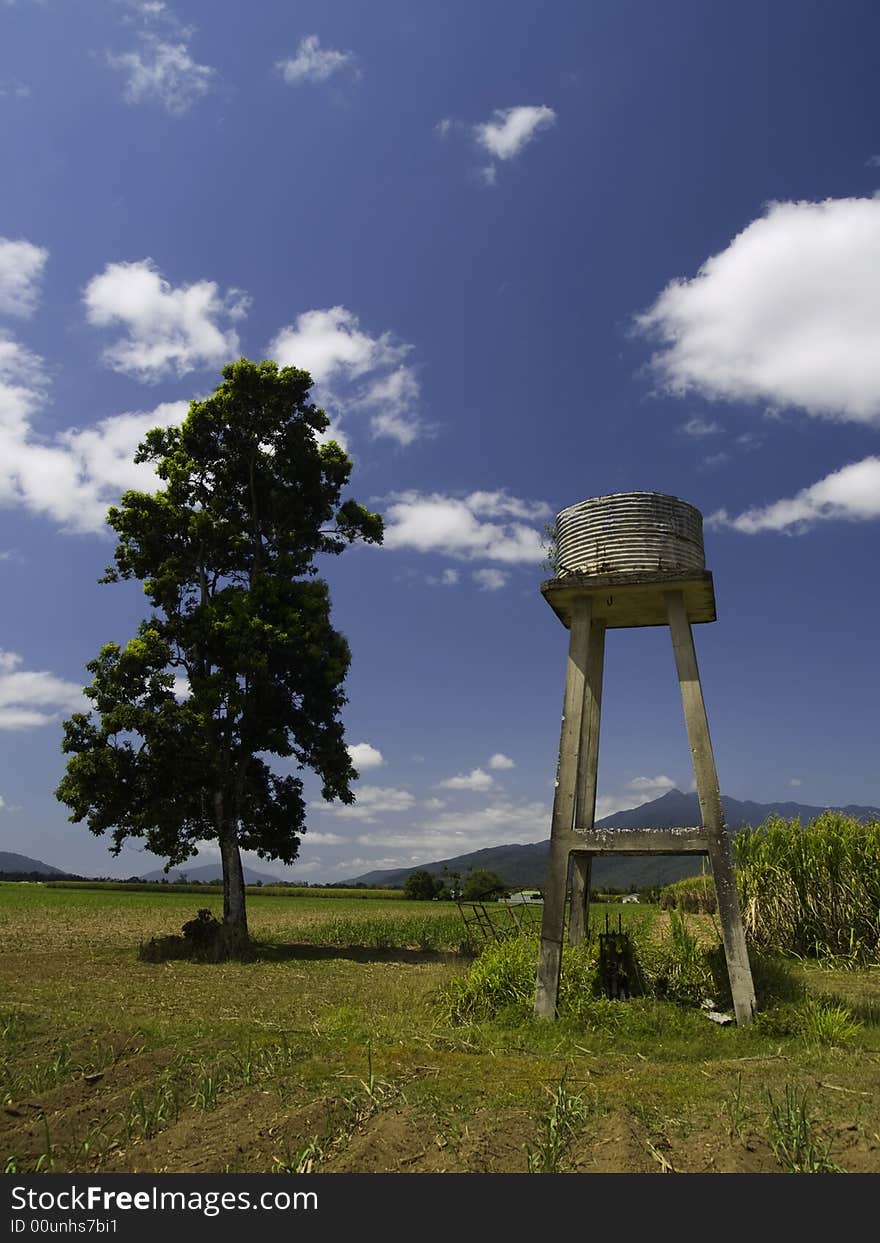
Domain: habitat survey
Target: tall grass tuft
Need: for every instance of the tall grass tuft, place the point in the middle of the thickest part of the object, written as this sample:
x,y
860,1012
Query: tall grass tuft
x,y
826,1023
812,890
793,1136
501,978
558,1129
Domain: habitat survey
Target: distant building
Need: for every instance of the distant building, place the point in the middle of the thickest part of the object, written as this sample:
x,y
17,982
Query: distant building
x,y
523,896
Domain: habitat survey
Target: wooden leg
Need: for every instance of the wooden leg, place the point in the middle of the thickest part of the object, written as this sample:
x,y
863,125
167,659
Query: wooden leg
x,y
579,912
588,764
711,810
736,952
553,920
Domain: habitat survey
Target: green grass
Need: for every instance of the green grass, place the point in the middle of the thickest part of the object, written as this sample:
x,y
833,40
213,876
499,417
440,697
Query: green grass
x,y
342,1029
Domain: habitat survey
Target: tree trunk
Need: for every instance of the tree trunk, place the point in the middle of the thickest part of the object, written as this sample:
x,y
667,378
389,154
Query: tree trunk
x,y
235,929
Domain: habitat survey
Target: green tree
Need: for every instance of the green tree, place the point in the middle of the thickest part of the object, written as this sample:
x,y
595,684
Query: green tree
x,y
481,883
226,551
421,886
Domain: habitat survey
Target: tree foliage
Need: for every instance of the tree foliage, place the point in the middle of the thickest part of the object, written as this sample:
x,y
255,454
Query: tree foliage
x,y
481,883
422,886
226,549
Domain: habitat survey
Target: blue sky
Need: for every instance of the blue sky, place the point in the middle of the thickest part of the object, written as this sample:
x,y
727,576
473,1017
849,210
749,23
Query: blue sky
x,y
530,254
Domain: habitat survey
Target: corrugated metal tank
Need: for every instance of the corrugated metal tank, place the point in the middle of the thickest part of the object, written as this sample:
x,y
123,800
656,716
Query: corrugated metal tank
x,y
628,533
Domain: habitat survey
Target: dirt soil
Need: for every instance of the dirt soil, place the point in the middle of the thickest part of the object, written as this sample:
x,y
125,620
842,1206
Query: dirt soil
x,y
259,1129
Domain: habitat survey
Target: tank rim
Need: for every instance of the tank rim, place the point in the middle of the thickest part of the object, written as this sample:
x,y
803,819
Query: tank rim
x,y
609,496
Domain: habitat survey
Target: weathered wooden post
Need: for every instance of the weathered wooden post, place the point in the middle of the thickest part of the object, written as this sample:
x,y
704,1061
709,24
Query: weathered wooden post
x,y
629,559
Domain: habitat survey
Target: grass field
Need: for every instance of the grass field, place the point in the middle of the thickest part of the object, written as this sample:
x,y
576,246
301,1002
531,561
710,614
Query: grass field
x,y
331,1052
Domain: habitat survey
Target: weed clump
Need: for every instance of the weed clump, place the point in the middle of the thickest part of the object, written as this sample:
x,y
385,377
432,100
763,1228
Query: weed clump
x,y
678,969
794,1137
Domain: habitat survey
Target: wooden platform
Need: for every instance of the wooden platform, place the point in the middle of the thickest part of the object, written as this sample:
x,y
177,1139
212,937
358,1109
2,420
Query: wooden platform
x,y
621,600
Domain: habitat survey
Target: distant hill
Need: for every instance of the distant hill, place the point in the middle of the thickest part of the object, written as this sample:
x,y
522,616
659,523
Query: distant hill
x,y
524,866
10,862
22,865
210,873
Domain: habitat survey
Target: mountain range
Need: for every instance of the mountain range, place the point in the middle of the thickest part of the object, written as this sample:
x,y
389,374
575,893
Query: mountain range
x,y
13,863
22,865
524,866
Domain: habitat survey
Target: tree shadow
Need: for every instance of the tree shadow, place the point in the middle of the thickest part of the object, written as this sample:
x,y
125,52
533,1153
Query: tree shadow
x,y
270,951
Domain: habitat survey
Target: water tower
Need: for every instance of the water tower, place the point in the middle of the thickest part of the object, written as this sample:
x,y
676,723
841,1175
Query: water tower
x,y
629,559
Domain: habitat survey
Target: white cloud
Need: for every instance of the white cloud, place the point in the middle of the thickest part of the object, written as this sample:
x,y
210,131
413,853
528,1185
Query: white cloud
x,y
465,528
169,329
354,372
716,459
454,833
788,314
476,779
365,755
391,398
181,688
21,267
850,494
29,698
13,88
358,866
698,427
330,343
634,793
795,781
511,129
434,804
873,161
499,760
73,478
313,63
651,787
448,578
23,386
152,11
490,579
163,73
371,802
